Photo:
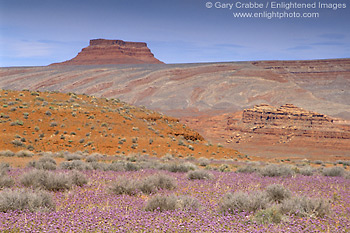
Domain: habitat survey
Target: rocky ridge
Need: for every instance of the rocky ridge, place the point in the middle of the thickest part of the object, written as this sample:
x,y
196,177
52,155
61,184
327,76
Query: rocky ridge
x,y
265,114
102,51
287,122
208,95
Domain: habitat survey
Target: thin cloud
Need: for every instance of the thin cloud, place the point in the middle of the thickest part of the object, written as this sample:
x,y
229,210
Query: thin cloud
x,y
300,47
229,46
329,43
333,36
28,49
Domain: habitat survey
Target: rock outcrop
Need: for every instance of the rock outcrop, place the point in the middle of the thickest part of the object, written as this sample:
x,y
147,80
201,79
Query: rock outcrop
x,y
289,120
102,52
289,114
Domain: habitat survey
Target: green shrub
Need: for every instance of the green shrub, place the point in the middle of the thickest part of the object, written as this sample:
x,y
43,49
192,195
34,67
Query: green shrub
x,y
344,162
17,142
224,168
23,199
17,122
268,216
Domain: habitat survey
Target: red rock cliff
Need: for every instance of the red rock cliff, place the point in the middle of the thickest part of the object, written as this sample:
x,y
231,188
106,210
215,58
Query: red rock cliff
x,y
102,51
288,120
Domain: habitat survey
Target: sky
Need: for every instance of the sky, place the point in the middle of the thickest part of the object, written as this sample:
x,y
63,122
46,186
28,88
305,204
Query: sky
x,y
41,32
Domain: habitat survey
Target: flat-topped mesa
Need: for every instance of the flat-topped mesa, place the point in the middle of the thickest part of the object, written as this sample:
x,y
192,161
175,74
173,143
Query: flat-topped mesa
x,y
102,52
286,114
118,42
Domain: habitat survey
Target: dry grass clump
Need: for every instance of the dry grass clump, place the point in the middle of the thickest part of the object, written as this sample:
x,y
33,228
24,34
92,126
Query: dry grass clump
x,y
305,207
41,179
156,182
23,199
333,171
199,175
5,180
243,202
273,204
4,168
46,163
24,153
306,171
277,193
274,170
150,184
124,185
179,167
95,157
203,161
75,165
172,202
7,153
248,169
72,156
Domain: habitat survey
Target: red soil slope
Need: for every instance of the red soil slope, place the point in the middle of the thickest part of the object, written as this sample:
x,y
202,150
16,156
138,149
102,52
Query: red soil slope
x,y
51,121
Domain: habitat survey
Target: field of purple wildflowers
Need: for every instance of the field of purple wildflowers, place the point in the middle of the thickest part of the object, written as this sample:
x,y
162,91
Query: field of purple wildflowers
x,y
94,208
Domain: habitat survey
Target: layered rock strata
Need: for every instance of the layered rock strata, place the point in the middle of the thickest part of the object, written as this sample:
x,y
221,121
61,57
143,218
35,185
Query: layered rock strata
x,y
288,120
102,51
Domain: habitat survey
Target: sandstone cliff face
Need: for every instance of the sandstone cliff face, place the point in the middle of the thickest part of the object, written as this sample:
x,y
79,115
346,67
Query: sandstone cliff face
x,y
288,120
101,52
289,114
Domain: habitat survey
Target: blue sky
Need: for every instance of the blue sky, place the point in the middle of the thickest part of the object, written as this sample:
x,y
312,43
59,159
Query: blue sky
x,y
40,32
